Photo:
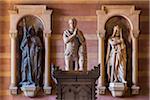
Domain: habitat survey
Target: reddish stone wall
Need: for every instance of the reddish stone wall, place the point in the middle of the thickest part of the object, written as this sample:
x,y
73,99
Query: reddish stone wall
x,y
86,16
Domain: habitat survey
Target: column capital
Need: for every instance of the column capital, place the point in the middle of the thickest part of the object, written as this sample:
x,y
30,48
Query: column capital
x,y
47,35
100,35
13,34
135,34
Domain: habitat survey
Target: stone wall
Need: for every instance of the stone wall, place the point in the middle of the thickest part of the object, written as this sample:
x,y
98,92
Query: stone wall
x,y
85,12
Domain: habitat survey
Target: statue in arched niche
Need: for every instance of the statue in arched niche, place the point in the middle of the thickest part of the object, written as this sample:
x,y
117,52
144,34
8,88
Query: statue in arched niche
x,y
31,47
116,57
75,47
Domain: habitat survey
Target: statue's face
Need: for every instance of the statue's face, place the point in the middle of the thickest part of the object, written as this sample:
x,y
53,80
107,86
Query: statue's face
x,y
117,31
72,24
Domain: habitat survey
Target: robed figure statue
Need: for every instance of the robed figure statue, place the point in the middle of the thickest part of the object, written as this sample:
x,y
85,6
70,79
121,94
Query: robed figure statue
x,y
116,57
31,47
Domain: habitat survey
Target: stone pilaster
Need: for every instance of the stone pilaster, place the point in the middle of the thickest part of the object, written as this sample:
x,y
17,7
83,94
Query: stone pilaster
x,y
13,86
135,88
47,87
101,80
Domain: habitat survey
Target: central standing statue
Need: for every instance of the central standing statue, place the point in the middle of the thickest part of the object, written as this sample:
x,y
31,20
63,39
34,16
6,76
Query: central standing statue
x,y
75,48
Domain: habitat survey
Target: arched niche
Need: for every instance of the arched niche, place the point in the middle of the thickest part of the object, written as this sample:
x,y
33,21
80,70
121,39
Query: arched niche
x,y
105,17
35,22
125,25
40,18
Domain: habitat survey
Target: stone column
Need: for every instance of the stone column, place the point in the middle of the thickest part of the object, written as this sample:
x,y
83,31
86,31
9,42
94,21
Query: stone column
x,y
135,88
13,86
101,80
47,87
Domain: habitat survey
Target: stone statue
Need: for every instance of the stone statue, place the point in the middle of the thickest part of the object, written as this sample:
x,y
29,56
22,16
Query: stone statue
x,y
31,48
116,57
75,48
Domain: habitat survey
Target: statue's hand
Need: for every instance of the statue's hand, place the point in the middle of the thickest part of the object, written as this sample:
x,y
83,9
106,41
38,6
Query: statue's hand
x,y
75,31
67,33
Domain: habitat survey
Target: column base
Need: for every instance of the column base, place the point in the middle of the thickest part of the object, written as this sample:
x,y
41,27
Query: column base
x,y
30,91
13,90
47,89
101,90
135,90
117,89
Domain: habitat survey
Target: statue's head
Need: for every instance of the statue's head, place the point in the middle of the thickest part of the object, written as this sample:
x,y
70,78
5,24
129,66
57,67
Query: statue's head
x,y
32,30
72,23
116,31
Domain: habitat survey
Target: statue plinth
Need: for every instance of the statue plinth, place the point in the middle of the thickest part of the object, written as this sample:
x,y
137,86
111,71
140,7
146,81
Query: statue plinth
x,y
47,89
135,90
30,91
77,85
13,90
101,89
117,89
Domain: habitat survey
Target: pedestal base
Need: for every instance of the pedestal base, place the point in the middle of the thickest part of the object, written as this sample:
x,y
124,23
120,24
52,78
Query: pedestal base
x,y
30,91
77,85
135,90
47,89
117,89
101,89
13,90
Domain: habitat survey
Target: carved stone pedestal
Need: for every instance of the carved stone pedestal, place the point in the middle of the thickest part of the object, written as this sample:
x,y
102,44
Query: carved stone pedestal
x,y
30,91
117,89
135,90
13,90
47,90
76,85
101,90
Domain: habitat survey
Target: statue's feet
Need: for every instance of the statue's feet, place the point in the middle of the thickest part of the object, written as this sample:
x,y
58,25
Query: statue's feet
x,y
123,81
66,68
80,69
115,80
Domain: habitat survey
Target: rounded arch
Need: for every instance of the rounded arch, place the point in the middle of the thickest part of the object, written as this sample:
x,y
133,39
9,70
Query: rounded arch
x,y
117,20
31,19
123,16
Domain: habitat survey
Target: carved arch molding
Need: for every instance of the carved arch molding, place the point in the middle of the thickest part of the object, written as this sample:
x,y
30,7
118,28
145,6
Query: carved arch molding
x,y
41,13
129,13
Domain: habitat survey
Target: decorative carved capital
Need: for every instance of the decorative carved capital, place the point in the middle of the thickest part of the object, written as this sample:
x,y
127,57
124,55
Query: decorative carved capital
x,y
15,11
13,35
135,34
100,12
100,35
136,12
47,35
48,12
